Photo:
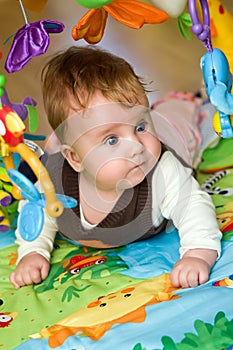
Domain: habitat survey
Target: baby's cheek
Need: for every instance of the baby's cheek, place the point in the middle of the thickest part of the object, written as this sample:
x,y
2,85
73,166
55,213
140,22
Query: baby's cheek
x,y
112,168
154,146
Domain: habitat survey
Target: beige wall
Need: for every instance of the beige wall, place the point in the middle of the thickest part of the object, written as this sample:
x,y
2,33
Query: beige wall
x,y
158,52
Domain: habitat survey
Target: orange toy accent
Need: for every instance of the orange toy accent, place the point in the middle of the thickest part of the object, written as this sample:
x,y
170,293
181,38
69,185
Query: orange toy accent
x,y
91,26
132,13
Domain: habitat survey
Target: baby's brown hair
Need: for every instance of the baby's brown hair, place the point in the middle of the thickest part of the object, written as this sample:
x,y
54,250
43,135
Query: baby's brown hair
x,y
79,72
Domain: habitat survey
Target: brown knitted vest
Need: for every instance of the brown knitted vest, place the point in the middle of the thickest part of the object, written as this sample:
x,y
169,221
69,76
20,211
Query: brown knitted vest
x,y
129,221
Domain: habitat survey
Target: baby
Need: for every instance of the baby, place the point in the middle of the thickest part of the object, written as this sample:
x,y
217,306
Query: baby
x,y
127,183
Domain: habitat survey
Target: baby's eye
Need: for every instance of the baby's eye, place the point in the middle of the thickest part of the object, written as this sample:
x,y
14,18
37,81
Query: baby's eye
x,y
111,141
141,127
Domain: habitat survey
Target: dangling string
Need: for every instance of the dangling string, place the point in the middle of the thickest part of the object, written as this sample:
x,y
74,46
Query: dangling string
x,y
23,11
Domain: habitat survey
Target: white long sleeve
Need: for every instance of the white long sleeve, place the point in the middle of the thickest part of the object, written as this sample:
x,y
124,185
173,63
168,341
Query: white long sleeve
x,y
176,195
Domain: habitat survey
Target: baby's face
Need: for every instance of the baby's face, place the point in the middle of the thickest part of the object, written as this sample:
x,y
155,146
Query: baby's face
x,y
115,144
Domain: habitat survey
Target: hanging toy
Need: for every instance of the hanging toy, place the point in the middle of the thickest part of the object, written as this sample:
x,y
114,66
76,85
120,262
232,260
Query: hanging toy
x,y
31,217
175,9
27,108
20,108
30,41
216,72
218,82
5,185
12,131
11,141
132,13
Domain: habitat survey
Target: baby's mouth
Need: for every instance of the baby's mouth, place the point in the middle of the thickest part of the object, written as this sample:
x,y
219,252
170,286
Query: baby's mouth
x,y
140,166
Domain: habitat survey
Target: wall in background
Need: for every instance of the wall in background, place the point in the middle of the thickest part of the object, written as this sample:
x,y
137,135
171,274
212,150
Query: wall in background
x,y
157,52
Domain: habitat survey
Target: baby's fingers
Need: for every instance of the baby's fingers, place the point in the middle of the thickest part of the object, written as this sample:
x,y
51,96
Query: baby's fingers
x,y
192,279
183,279
15,280
175,277
203,276
45,270
34,276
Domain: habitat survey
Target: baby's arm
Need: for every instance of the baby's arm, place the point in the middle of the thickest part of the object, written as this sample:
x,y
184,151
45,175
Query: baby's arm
x,y
193,213
33,257
193,268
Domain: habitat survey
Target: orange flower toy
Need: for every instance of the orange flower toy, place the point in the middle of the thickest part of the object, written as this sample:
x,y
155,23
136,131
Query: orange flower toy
x,y
132,13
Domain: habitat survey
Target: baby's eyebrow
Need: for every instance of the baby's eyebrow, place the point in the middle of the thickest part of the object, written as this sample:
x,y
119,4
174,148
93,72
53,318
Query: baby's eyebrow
x,y
104,132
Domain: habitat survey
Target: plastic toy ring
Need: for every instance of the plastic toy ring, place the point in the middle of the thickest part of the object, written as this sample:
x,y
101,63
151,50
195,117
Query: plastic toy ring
x,y
201,30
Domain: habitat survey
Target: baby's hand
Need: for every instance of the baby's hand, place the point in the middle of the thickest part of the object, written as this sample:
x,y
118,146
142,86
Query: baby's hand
x,y
190,272
194,268
32,268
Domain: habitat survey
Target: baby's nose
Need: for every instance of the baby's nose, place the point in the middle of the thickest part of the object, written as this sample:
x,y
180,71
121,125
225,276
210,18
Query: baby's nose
x,y
135,147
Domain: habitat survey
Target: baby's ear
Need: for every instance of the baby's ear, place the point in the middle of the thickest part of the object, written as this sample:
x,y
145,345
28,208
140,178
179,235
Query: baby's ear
x,y
72,157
